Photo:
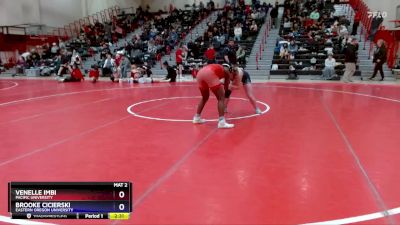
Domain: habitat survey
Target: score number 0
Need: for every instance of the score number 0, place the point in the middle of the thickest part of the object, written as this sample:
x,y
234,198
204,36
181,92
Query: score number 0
x,y
121,195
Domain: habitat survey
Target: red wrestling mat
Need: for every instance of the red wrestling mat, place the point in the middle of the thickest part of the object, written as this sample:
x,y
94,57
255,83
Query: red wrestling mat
x,y
320,152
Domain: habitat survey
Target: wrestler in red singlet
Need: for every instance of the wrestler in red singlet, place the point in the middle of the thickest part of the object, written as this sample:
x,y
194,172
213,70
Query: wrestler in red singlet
x,y
208,78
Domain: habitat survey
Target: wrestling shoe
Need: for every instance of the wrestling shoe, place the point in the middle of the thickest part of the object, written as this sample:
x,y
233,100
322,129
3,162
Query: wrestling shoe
x,y
198,120
224,125
258,111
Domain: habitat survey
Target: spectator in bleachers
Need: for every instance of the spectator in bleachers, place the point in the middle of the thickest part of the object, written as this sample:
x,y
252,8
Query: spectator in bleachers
x,y
55,49
241,55
224,36
210,54
313,36
35,57
230,53
284,52
343,31
104,51
238,32
46,52
194,50
151,47
125,66
287,25
254,28
109,66
308,4
293,48
329,70
61,44
173,35
76,58
315,15
108,31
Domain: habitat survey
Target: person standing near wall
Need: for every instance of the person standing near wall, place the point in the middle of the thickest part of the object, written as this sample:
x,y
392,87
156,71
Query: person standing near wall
x,y
379,59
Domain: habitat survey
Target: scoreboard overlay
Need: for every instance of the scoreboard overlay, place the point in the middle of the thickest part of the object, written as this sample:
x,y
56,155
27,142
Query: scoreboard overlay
x,y
70,200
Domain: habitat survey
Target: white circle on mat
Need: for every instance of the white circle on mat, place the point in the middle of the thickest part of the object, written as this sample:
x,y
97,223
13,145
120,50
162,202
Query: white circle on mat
x,y
14,84
132,112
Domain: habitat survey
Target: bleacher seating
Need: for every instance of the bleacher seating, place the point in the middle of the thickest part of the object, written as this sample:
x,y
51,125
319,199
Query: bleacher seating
x,y
311,38
242,13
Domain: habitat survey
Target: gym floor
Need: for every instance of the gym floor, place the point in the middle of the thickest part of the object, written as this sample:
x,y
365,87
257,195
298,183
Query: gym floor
x,y
319,153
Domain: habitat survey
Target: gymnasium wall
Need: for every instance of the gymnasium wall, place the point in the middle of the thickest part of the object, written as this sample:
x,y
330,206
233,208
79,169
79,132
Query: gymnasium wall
x,y
49,12
56,13
94,6
14,12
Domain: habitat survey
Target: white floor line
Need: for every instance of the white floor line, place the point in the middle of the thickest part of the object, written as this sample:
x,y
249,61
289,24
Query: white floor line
x,y
80,92
7,88
358,219
131,111
349,220
328,90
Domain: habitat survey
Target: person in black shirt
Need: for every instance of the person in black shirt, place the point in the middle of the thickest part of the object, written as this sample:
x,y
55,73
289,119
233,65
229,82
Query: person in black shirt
x,y
64,62
230,53
274,16
379,59
171,72
350,61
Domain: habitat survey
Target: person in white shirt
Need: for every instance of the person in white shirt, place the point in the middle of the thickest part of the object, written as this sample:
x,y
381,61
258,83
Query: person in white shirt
x,y
329,70
76,58
238,32
315,15
54,49
287,25
61,44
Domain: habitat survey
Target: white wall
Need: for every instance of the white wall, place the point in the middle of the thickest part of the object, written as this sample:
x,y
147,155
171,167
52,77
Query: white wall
x,y
94,6
48,12
56,13
16,12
